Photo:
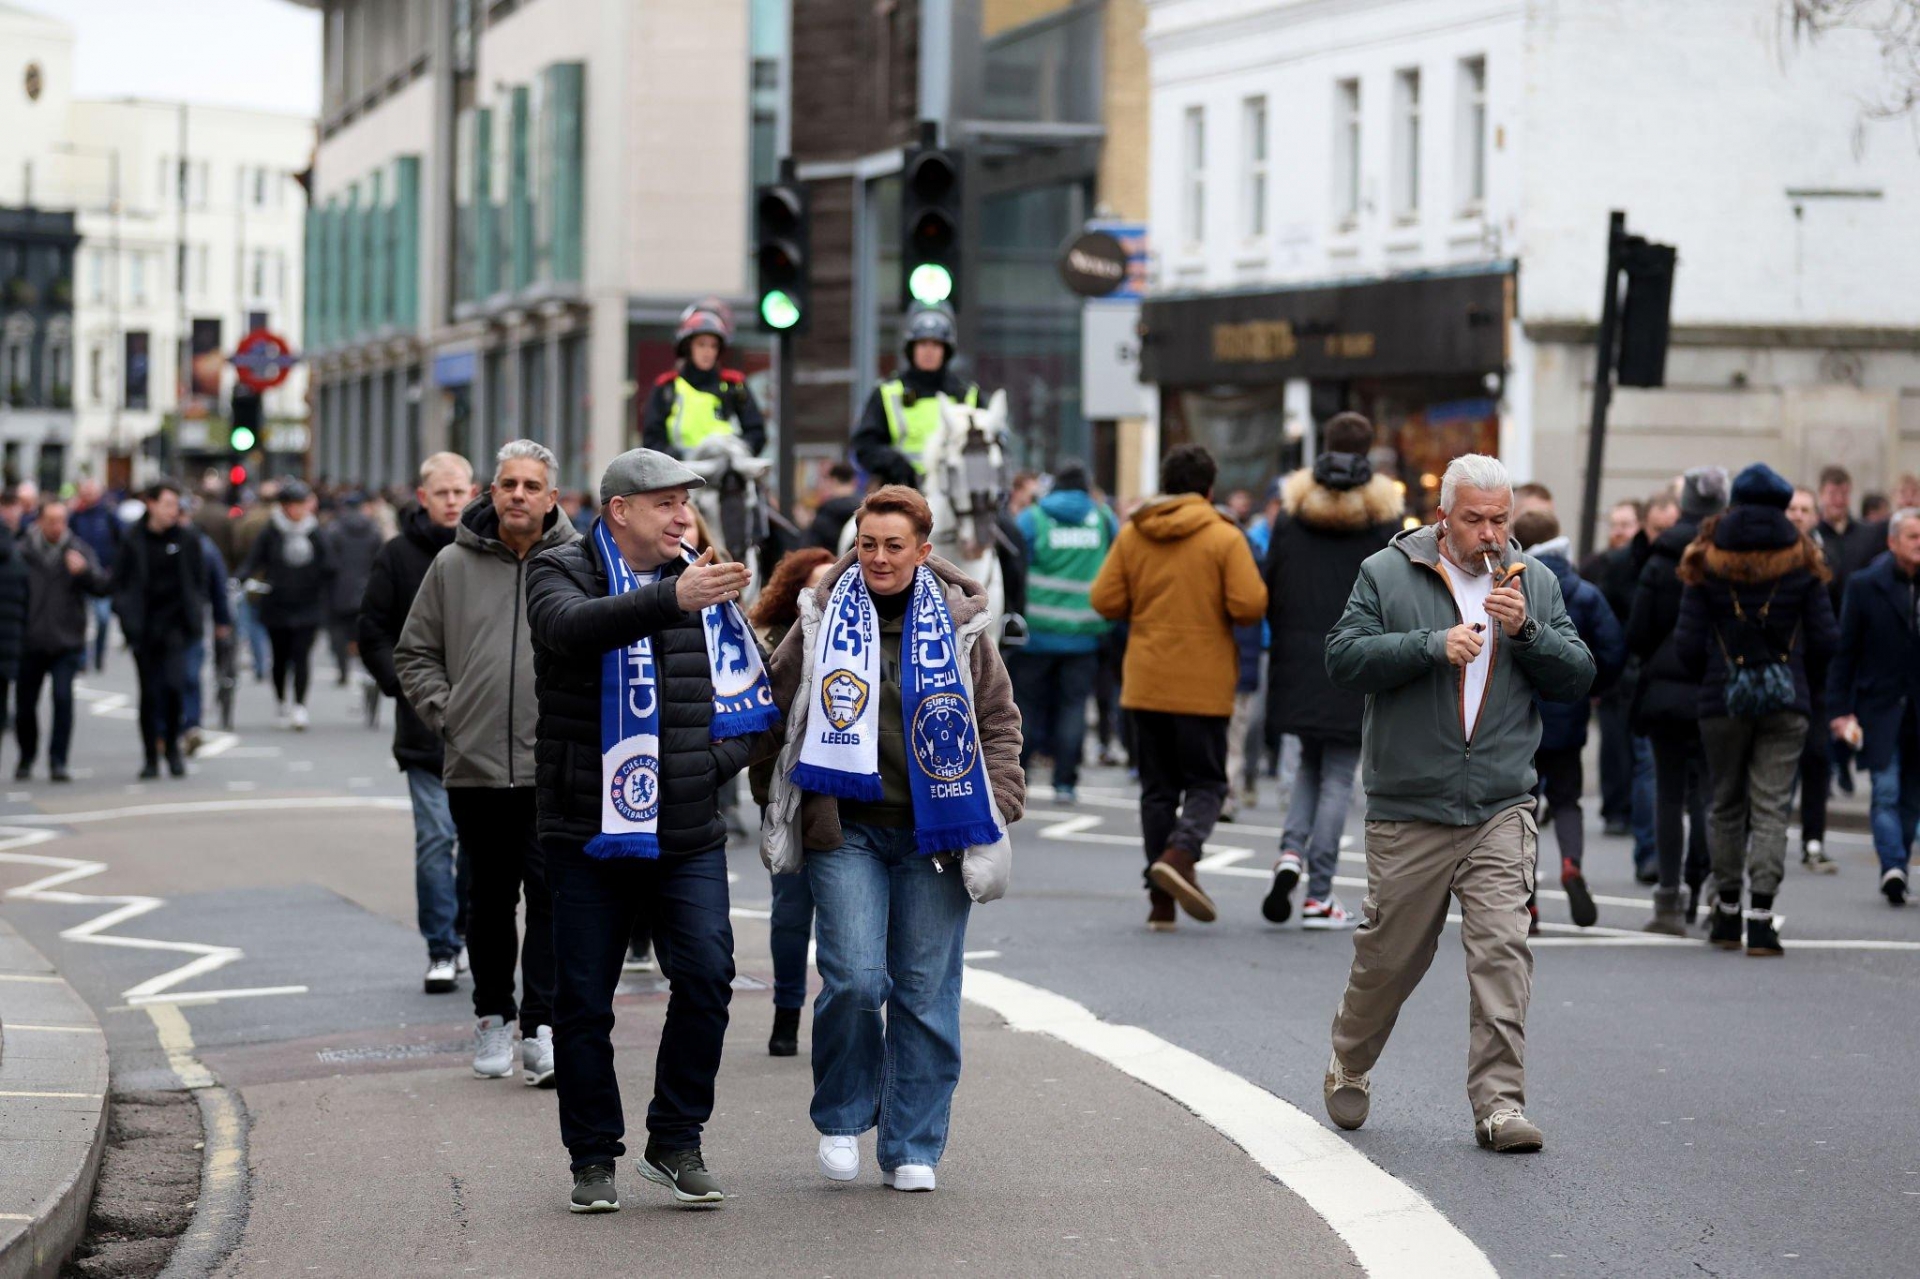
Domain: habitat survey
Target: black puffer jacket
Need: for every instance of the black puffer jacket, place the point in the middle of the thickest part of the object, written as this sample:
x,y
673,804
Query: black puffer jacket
x,y
1666,700
14,576
352,541
574,622
392,583
297,592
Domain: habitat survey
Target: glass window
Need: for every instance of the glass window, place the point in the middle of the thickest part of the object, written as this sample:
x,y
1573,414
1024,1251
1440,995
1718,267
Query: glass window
x,y
1406,144
1472,135
1346,154
1253,208
137,276
1194,168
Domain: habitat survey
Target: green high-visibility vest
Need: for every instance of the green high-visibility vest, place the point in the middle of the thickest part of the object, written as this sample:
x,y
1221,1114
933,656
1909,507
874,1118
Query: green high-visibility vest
x,y
912,425
695,415
1066,559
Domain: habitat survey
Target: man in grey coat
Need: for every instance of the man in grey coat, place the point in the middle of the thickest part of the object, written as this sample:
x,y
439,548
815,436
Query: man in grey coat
x,y
465,662
64,577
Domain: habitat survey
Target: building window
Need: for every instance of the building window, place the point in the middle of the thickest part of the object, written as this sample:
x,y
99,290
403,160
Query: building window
x,y
1194,182
96,275
1472,136
137,275
96,374
1253,207
260,187
258,283
1406,145
199,187
1346,154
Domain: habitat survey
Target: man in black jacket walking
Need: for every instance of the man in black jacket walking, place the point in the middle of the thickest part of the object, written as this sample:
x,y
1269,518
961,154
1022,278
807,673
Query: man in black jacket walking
x,y
439,878
160,596
65,579
682,894
13,595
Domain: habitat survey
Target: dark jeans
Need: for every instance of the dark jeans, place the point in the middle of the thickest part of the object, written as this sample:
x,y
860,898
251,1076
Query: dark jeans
x,y
1052,690
496,831
292,656
1753,762
595,903
163,687
1646,803
1680,787
342,634
1183,778
1616,759
1562,782
1816,778
440,868
34,669
1317,814
791,926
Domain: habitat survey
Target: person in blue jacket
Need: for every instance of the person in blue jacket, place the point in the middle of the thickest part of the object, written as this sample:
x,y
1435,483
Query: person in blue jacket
x,y
1563,725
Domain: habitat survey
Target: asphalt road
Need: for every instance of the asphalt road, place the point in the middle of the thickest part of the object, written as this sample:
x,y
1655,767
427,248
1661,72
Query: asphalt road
x,y
1705,1112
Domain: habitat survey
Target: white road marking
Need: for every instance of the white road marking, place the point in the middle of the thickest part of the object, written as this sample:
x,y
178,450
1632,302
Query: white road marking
x,y
981,954
14,1026
1393,1230
83,1096
213,996
214,743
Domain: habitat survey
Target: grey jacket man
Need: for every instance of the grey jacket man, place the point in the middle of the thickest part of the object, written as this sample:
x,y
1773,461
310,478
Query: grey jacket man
x,y
465,656
57,598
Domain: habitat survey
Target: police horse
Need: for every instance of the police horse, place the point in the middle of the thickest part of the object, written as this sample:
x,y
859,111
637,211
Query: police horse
x,y
734,501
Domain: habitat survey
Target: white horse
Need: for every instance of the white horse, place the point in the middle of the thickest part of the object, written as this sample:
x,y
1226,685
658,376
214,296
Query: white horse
x,y
733,503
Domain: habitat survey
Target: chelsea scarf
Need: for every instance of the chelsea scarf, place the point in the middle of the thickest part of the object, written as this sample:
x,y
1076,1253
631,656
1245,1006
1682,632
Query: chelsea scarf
x,y
841,755
630,710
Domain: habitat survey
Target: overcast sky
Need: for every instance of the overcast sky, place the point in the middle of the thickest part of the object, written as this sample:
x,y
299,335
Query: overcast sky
x,y
246,53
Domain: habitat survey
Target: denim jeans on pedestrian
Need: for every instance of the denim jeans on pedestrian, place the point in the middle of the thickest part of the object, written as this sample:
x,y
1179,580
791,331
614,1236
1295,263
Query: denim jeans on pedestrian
x,y
1052,690
596,902
36,668
1317,817
255,632
791,926
1895,812
192,694
437,886
1646,847
1752,762
892,928
102,630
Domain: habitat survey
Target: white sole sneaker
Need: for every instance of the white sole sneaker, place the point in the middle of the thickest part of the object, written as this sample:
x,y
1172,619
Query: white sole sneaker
x,y
839,1158
909,1177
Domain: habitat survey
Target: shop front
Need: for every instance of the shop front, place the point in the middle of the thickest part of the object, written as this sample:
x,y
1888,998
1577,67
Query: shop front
x,y
1250,374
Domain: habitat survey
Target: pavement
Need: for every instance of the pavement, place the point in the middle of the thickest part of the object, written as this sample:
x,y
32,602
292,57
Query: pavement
x,y
1132,1103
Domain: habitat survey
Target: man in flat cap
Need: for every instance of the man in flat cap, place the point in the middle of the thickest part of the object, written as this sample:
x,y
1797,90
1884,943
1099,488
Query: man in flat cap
x,y
652,696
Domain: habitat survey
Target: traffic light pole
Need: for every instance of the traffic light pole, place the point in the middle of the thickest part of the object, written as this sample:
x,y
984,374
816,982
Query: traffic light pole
x,y
1602,379
783,354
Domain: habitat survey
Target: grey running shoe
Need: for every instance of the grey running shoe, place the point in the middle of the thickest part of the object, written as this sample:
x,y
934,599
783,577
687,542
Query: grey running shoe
x,y
1508,1132
1349,1094
683,1172
536,1058
594,1191
492,1048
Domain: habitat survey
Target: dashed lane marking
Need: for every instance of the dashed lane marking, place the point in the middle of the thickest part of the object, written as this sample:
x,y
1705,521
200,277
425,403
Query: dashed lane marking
x,y
13,1027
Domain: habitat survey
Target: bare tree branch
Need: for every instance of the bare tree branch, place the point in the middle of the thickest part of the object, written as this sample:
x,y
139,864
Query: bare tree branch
x,y
1894,26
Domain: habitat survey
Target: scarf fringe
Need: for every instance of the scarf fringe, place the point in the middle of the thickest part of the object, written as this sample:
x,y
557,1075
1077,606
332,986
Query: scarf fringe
x,y
607,847
865,787
743,723
955,839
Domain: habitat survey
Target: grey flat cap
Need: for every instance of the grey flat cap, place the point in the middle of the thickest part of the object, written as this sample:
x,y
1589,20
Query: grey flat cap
x,y
644,471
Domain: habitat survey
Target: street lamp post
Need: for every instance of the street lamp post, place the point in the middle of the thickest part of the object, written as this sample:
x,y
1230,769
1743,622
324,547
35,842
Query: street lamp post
x,y
117,352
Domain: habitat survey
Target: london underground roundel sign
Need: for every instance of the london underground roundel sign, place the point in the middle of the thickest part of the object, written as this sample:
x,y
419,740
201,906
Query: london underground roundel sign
x,y
263,360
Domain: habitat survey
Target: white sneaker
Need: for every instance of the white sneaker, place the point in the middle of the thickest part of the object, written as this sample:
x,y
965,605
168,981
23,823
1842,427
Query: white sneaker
x,y
909,1177
460,962
299,718
440,977
840,1158
492,1048
1326,916
638,961
536,1058
282,717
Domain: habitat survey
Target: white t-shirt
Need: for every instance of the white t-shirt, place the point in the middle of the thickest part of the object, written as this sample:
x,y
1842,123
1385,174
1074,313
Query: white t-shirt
x,y
1470,593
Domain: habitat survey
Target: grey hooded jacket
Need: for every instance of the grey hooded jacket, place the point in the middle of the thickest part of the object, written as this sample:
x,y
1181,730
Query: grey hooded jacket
x,y
465,656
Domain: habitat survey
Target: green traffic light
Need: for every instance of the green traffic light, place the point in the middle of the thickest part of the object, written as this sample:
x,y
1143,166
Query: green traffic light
x,y
242,439
779,310
930,282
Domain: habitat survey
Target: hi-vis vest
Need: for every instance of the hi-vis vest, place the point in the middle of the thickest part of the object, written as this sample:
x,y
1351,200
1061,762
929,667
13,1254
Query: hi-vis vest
x,y
912,425
1066,559
697,414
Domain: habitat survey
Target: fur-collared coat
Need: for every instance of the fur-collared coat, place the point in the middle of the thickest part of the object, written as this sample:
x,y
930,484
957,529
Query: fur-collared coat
x,y
1318,545
1779,577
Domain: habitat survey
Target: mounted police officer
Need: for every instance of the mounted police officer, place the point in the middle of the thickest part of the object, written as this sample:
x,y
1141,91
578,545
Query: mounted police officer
x,y
697,399
903,413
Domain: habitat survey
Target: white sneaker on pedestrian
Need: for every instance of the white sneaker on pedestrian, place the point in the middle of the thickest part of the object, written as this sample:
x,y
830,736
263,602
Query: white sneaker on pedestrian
x,y
441,978
282,717
638,961
492,1048
536,1058
460,962
909,1177
840,1158
299,718
1325,917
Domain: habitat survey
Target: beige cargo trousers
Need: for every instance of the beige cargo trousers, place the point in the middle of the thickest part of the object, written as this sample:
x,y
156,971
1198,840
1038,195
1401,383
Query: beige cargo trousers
x,y
1413,870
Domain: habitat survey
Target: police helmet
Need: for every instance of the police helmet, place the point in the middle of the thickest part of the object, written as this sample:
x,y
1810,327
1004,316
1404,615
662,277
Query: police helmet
x,y
709,316
928,322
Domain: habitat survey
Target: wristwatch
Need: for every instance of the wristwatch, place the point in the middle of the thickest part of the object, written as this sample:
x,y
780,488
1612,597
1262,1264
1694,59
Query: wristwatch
x,y
1529,631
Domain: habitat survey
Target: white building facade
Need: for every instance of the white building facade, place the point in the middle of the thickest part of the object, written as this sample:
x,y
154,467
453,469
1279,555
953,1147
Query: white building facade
x,y
513,200
1401,207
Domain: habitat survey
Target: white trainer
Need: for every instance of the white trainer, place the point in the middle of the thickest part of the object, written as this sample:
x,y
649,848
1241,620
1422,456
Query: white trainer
x,y
300,720
536,1058
909,1177
1326,916
460,961
840,1158
282,718
441,977
492,1048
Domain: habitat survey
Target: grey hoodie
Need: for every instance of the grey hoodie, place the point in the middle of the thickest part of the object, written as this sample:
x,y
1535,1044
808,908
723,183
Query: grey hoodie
x,y
465,656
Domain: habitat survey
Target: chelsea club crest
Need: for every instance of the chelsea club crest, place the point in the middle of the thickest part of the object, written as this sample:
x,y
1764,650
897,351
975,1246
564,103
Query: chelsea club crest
x,y
943,740
636,788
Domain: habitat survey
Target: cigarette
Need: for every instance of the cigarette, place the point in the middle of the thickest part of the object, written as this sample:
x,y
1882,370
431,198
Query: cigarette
x,y
1487,557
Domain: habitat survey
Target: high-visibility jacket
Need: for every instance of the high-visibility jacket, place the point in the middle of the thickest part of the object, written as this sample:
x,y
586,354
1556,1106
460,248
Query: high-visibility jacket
x,y
697,414
1066,559
912,426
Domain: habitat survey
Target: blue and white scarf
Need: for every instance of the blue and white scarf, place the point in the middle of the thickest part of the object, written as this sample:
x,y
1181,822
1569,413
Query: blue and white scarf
x,y
841,756
630,711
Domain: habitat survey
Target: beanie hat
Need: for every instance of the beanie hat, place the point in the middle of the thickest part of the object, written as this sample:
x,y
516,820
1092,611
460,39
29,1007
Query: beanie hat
x,y
1071,473
1703,492
1761,485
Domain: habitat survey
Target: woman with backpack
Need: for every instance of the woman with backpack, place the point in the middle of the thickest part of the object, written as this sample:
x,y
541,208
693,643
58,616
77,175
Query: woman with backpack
x,y
1756,626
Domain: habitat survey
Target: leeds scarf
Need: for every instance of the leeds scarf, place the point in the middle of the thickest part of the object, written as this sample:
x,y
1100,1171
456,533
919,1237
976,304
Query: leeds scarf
x,y
630,711
841,756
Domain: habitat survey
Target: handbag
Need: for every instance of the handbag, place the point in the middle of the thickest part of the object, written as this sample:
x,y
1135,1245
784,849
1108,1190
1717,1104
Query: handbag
x,y
1762,688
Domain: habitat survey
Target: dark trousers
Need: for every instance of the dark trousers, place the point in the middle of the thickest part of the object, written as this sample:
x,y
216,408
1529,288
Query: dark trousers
x,y
683,900
1680,788
497,832
1052,690
1616,759
292,658
34,670
1562,781
163,689
1183,778
1816,777
342,634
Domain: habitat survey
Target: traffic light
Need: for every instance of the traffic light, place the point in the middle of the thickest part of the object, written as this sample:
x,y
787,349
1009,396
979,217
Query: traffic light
x,y
244,433
1644,318
780,236
930,224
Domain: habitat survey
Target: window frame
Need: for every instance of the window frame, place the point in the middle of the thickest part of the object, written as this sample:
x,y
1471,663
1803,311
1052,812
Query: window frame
x,y
1193,174
1255,153
1348,138
1407,175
